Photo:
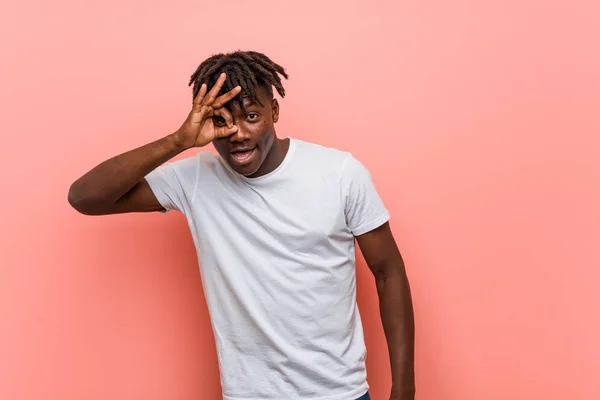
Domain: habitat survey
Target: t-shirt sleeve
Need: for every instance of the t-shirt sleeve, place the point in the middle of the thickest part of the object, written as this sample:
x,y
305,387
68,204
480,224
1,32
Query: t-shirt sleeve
x,y
174,183
364,208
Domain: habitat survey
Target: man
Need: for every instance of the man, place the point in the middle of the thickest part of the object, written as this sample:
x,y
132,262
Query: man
x,y
274,221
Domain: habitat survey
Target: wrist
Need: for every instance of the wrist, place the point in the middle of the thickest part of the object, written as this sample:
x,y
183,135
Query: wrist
x,y
178,140
405,392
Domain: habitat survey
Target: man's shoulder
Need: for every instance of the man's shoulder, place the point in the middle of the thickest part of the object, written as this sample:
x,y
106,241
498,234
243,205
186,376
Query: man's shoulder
x,y
199,160
189,169
322,156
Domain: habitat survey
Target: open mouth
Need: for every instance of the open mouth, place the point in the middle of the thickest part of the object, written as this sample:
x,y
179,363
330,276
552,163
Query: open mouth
x,y
242,157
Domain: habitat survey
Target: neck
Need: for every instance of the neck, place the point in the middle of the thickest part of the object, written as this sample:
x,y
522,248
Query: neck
x,y
274,158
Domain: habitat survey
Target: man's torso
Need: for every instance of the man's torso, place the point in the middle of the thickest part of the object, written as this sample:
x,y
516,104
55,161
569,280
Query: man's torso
x,y
277,260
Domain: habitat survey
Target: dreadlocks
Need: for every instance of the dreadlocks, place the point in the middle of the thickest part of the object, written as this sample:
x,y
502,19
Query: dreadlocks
x,y
247,69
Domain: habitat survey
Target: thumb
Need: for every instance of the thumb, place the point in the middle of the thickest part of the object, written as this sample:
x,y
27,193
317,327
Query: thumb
x,y
224,131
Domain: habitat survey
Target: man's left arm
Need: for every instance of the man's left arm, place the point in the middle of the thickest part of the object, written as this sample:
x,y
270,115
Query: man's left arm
x,y
383,258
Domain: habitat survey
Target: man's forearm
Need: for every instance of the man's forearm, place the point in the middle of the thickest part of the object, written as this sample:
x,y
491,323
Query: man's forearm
x,y
113,178
397,316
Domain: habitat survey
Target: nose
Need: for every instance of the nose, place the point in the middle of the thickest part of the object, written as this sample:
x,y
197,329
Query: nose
x,y
241,135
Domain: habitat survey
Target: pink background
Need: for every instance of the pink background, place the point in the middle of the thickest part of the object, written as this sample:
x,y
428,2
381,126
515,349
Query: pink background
x,y
478,119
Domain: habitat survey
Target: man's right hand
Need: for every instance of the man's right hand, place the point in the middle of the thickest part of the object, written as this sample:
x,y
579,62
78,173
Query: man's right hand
x,y
118,186
198,130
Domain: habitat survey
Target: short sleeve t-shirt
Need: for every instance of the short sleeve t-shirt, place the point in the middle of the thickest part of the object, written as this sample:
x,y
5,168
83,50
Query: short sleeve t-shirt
x,y
277,259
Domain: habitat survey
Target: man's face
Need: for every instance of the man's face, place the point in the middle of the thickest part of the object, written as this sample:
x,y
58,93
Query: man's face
x,y
246,150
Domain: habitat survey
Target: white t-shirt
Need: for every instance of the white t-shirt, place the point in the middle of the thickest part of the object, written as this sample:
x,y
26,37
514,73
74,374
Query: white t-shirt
x,y
277,259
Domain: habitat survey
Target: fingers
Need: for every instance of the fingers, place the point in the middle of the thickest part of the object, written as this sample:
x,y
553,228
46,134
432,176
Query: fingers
x,y
224,131
211,97
200,95
223,99
214,91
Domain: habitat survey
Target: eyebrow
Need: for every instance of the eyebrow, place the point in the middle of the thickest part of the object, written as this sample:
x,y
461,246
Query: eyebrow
x,y
248,103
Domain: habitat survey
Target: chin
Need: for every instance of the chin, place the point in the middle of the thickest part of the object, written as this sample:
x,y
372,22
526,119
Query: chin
x,y
246,170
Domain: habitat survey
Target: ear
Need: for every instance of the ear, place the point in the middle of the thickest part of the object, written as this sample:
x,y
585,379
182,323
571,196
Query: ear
x,y
275,110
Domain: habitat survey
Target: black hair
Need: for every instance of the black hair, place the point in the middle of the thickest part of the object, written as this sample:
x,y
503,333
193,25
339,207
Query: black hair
x,y
247,69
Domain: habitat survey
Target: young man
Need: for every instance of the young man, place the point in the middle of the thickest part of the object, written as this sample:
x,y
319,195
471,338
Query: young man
x,y
274,221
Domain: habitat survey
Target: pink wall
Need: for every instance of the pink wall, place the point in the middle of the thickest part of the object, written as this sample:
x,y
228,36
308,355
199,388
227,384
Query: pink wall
x,y
478,119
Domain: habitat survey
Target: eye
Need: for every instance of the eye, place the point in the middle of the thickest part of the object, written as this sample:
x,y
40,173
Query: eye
x,y
219,120
252,116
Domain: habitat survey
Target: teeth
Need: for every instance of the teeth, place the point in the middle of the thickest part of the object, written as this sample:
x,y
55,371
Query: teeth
x,y
242,155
